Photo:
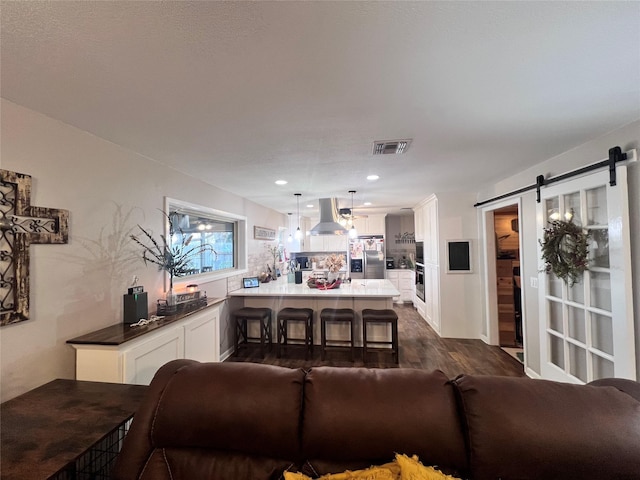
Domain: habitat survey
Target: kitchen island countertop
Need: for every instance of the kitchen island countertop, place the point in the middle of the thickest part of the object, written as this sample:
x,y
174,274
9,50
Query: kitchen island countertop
x,y
357,288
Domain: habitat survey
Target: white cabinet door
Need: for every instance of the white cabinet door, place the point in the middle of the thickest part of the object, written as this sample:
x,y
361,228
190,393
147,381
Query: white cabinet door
x,y
393,276
405,286
370,225
336,243
143,360
418,218
376,225
201,337
328,243
316,243
430,226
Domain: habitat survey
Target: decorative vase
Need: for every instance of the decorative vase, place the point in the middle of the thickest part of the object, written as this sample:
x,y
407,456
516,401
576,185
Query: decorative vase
x,y
170,297
333,276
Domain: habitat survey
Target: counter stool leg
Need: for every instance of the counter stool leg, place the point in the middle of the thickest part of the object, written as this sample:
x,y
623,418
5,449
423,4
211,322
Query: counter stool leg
x,y
308,336
364,340
280,336
241,333
265,333
394,338
323,338
236,339
353,339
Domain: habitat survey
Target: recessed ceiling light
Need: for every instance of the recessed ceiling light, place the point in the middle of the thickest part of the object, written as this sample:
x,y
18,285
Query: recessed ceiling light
x,y
366,204
281,182
311,205
373,177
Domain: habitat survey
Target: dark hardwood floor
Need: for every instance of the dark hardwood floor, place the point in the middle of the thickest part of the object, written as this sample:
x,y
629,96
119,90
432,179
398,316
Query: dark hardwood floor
x,y
420,347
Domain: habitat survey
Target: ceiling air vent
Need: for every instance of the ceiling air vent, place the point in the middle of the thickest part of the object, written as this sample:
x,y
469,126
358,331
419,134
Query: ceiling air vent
x,y
390,147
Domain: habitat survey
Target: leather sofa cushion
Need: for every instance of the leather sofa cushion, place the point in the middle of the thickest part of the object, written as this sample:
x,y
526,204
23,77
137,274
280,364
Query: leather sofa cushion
x,y
357,417
254,409
224,418
198,463
519,428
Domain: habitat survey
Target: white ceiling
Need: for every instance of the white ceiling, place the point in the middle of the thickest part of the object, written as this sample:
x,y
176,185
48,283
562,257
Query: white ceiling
x,y
241,94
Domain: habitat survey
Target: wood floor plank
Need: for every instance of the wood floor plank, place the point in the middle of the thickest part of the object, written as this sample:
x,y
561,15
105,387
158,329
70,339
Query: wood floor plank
x,y
420,347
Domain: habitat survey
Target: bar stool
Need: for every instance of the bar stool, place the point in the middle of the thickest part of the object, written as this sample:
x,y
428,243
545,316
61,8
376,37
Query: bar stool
x,y
337,315
370,315
243,316
288,315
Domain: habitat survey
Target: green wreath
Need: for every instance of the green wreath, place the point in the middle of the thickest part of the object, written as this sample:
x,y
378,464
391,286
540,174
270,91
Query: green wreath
x,y
565,250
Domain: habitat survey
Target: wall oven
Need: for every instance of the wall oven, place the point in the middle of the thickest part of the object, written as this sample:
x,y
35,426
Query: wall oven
x,y
420,281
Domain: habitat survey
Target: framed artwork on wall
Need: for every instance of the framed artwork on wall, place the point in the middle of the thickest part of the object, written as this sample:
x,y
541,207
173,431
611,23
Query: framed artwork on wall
x,y
263,233
459,258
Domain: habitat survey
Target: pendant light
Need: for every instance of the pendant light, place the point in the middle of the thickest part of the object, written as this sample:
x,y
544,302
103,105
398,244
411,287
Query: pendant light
x,y
298,232
353,233
290,239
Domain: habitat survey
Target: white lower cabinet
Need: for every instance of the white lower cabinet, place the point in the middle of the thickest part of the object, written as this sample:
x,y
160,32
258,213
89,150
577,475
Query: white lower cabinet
x,y
404,281
142,361
195,337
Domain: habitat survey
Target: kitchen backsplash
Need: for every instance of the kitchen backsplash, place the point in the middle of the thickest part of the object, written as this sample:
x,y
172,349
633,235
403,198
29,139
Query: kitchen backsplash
x,y
317,259
400,238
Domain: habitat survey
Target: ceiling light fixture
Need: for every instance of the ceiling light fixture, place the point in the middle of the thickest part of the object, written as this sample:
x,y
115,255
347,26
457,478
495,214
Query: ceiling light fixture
x,y
366,204
290,239
281,182
298,232
373,177
353,233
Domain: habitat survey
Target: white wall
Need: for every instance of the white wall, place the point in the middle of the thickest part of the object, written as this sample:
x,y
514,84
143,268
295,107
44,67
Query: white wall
x,y
627,138
460,293
77,288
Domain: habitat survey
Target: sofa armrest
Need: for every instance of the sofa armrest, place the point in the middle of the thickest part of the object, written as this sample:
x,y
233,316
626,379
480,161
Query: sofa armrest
x,y
627,386
538,429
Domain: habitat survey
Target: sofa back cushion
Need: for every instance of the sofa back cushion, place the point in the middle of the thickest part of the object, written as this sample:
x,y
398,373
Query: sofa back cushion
x,y
234,420
519,428
355,417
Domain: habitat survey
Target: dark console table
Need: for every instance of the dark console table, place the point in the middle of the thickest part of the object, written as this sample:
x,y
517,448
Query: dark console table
x,y
66,429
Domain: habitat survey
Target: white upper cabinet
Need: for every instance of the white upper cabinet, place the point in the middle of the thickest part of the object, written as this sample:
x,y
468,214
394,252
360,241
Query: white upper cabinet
x,y
370,225
431,232
327,243
418,217
426,222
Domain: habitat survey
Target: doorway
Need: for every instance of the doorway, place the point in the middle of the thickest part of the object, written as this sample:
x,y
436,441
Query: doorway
x,y
504,316
509,288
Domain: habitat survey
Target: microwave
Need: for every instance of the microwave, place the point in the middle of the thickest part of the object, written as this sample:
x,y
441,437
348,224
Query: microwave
x,y
420,252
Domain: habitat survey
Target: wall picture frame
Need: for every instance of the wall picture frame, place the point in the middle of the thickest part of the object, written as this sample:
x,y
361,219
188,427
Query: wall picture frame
x,y
263,233
459,256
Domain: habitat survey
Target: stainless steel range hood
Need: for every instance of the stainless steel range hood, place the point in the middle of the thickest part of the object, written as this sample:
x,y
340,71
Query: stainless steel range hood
x,y
328,219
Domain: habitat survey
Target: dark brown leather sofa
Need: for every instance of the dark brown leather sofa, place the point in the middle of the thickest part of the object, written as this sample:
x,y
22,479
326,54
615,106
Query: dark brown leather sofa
x,y
236,421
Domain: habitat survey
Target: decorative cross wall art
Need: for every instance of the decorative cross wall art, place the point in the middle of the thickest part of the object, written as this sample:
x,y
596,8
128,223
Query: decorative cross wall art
x,y
20,226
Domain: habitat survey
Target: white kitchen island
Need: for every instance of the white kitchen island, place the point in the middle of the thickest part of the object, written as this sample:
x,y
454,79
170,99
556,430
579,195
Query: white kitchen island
x,y
357,295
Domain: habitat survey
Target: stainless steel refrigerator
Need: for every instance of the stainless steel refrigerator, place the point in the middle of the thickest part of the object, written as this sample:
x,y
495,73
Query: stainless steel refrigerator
x,y
366,257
